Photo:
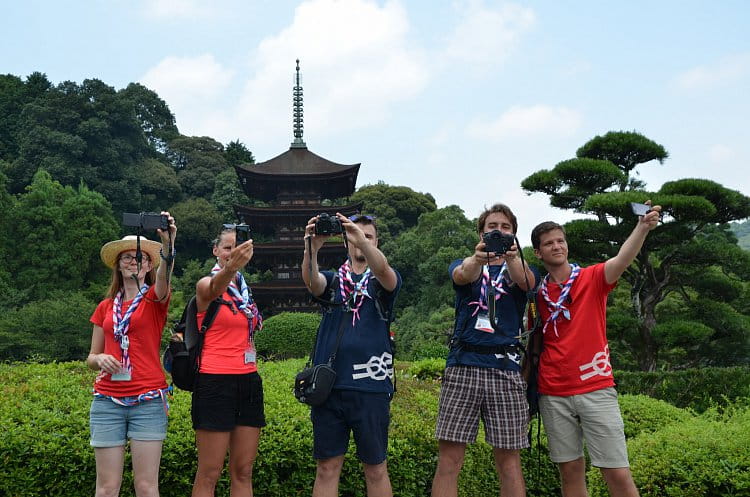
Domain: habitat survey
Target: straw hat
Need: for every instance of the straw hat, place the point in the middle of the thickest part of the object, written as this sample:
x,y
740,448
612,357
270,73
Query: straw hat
x,y
111,250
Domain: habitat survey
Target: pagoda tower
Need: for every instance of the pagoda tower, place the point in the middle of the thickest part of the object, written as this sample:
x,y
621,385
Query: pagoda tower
x,y
294,186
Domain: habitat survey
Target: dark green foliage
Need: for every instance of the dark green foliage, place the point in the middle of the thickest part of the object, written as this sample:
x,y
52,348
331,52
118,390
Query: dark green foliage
x,y
397,208
690,263
423,253
427,369
226,194
742,232
54,329
704,456
237,153
643,414
198,223
697,389
287,335
423,336
53,236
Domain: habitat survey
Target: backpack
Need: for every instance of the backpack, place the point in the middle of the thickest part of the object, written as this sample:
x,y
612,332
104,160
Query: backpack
x,y
182,357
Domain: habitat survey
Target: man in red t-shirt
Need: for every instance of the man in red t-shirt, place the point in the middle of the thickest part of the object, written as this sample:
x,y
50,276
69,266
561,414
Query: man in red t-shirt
x,y
578,399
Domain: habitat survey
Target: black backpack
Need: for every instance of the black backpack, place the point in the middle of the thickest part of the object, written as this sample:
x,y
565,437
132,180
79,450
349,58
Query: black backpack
x,y
182,357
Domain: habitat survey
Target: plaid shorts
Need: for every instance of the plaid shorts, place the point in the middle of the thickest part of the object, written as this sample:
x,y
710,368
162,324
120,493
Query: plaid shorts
x,y
495,395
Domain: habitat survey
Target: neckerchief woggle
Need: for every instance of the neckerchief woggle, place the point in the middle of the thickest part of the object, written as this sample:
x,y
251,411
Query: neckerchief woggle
x,y
352,290
496,283
243,299
121,324
557,308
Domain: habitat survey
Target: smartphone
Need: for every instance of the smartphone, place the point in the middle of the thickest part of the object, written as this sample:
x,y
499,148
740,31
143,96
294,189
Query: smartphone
x,y
640,209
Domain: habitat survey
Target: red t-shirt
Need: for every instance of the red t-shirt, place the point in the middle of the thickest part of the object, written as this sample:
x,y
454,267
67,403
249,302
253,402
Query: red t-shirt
x,y
226,342
146,325
576,359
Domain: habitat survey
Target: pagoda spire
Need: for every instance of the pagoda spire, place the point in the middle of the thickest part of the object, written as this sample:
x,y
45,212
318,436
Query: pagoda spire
x,y
298,126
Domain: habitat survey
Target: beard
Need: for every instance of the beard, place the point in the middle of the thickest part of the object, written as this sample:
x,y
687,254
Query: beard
x,y
360,258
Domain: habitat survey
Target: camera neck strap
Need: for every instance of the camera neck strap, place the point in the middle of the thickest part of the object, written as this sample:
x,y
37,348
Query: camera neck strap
x,y
332,357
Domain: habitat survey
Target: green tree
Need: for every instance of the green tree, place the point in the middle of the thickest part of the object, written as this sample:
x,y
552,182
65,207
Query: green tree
x,y
54,234
198,223
237,153
679,260
156,120
422,255
396,207
227,194
197,160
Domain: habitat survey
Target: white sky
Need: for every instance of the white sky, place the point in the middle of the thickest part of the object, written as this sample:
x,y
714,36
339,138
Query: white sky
x,y
461,99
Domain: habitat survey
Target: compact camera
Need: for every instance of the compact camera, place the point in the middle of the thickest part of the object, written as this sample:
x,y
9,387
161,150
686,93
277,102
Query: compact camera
x,y
498,242
242,233
328,225
146,221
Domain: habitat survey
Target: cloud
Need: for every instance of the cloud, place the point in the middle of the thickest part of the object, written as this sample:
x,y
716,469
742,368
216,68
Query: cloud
x,y
720,153
182,80
528,121
194,88
487,35
178,9
356,63
725,71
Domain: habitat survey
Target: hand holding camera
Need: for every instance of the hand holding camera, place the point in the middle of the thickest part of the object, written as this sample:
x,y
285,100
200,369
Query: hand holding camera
x,y
497,242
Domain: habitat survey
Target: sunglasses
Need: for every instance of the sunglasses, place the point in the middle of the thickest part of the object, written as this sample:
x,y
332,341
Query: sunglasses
x,y
359,217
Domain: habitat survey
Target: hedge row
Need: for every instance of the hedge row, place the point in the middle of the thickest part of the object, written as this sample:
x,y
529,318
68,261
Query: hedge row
x,y
44,443
697,389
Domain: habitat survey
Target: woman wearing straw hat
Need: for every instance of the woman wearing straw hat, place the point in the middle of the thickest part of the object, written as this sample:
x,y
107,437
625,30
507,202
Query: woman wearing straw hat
x,y
227,408
129,392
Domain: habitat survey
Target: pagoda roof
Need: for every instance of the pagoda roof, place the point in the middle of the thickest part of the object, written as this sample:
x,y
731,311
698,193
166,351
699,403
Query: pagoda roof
x,y
299,162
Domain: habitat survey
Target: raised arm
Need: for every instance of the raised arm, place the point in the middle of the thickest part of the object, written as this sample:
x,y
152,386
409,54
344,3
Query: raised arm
x,y
161,286
617,265
313,242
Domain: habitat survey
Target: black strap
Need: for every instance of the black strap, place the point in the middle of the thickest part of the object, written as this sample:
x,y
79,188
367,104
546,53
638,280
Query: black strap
x,y
332,357
208,319
488,349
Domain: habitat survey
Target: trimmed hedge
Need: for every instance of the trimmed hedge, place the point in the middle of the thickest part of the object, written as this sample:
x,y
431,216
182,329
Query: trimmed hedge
x,y
697,389
44,443
287,335
705,456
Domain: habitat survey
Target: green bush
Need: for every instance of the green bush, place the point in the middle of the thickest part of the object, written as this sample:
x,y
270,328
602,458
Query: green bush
x,y
287,335
643,414
705,456
697,389
44,443
54,329
427,369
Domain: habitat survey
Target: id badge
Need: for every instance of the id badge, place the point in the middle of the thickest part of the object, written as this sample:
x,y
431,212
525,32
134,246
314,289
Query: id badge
x,y
483,323
249,356
122,375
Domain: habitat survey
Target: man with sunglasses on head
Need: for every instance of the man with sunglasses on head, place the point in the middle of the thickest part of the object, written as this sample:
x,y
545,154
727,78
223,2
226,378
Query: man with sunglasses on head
x,y
360,297
483,374
578,399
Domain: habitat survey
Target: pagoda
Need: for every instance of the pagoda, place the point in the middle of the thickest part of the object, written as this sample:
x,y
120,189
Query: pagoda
x,y
294,186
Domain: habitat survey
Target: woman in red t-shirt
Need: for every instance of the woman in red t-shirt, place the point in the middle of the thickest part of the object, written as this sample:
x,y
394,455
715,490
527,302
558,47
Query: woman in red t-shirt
x,y
227,408
129,391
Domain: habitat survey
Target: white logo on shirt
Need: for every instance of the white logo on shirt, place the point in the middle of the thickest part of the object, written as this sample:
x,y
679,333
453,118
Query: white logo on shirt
x,y
600,365
377,368
515,357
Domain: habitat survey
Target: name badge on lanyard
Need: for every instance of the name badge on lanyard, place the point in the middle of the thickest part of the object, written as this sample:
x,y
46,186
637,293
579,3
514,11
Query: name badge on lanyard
x,y
483,323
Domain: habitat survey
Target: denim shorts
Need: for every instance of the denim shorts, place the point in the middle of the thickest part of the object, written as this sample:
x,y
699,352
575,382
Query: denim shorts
x,y
112,424
364,414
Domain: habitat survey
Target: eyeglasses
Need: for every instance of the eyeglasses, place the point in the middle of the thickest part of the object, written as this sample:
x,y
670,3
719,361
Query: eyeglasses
x,y
359,217
127,258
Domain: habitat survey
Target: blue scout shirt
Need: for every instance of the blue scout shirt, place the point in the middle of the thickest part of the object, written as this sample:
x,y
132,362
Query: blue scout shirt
x,y
364,360
507,311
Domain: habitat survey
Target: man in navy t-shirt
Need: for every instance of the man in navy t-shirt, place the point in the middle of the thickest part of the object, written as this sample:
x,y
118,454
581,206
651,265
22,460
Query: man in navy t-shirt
x,y
483,373
362,293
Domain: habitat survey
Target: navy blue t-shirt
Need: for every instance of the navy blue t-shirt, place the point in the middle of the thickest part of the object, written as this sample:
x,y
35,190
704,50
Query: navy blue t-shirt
x,y
507,312
364,360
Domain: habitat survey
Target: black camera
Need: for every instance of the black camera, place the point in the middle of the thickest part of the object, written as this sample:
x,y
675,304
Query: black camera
x,y
146,221
242,233
498,242
328,225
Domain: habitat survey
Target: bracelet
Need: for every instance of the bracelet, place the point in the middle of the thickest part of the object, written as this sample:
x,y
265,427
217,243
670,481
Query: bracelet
x,y
171,256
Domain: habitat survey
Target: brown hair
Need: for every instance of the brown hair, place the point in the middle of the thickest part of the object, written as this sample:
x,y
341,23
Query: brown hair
x,y
542,228
116,283
502,209
365,220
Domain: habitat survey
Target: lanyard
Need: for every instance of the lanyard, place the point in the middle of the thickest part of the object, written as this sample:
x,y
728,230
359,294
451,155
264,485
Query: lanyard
x,y
121,324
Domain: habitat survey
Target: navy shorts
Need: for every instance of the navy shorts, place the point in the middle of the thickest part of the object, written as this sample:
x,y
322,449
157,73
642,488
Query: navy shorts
x,y
365,414
223,401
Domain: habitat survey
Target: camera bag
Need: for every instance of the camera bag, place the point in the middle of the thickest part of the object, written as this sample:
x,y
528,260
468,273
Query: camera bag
x,y
313,384
182,357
